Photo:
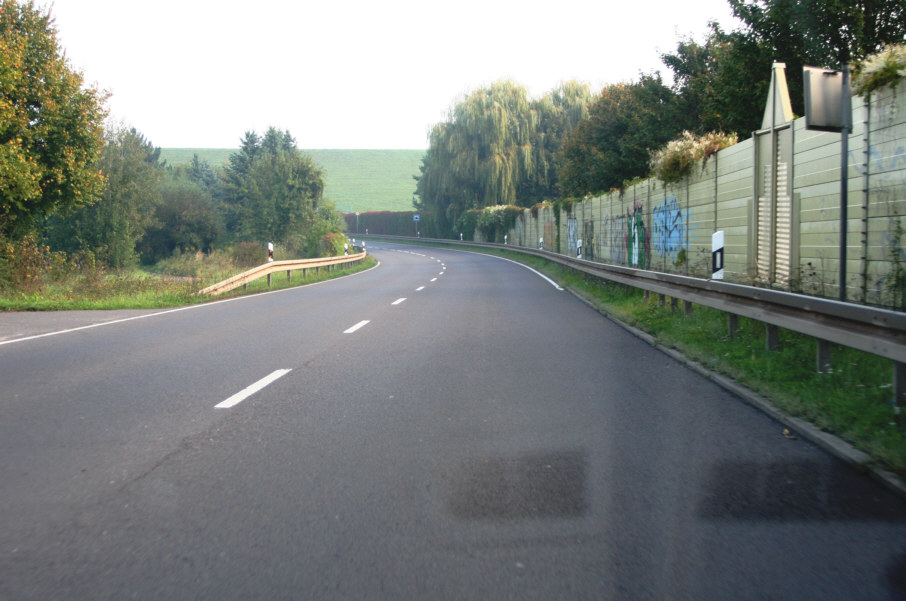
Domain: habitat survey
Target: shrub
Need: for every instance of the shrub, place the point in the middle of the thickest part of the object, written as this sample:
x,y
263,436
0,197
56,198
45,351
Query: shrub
x,y
886,68
248,254
332,244
674,161
537,207
214,265
24,262
467,222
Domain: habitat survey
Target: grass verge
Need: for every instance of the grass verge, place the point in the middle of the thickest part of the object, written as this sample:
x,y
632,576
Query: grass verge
x,y
140,290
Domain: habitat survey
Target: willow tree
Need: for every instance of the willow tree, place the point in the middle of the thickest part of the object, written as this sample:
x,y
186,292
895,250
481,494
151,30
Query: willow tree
x,y
557,114
497,148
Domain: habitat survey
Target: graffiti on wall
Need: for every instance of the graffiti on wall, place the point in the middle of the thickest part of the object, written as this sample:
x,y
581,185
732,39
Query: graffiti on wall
x,y
637,242
588,240
616,238
550,234
668,225
878,163
572,234
627,238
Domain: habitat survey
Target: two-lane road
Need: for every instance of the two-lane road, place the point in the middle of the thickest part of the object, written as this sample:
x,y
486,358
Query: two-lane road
x,y
445,426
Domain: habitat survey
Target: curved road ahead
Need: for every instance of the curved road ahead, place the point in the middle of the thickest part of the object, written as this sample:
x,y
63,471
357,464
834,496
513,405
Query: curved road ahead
x,y
445,426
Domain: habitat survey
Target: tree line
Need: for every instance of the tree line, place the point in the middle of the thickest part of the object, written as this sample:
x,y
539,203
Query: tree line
x,y
73,182
499,147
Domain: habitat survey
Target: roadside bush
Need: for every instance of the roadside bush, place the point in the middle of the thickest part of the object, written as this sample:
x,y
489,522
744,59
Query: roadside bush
x,y
886,68
332,245
24,264
674,161
197,265
248,254
467,223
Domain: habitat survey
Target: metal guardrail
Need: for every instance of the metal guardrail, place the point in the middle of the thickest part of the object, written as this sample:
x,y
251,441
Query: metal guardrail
x,y
277,266
874,330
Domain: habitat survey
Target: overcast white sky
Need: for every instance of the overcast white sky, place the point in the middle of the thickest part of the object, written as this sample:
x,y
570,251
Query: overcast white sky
x,y
351,74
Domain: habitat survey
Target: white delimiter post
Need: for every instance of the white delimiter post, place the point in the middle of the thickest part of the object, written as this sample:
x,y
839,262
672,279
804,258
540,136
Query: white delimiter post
x,y
717,255
270,259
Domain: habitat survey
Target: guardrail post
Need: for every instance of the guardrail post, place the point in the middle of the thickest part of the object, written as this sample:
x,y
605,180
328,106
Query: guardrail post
x,y
268,280
771,337
662,300
899,387
646,295
289,276
687,305
674,304
824,356
732,324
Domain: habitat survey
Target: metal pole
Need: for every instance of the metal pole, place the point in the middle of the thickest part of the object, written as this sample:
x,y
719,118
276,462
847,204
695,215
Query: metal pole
x,y
844,177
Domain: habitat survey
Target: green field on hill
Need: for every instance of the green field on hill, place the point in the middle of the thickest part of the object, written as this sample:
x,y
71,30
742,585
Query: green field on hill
x,y
357,180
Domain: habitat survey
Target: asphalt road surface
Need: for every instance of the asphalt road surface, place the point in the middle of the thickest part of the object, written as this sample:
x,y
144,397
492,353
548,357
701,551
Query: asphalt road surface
x,y
444,426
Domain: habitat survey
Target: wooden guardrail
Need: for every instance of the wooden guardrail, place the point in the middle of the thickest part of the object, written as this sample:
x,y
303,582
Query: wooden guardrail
x,y
277,266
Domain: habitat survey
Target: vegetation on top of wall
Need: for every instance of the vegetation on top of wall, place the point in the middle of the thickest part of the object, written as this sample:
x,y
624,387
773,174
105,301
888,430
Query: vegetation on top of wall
x,y
674,161
492,222
567,204
886,68
467,222
538,206
495,222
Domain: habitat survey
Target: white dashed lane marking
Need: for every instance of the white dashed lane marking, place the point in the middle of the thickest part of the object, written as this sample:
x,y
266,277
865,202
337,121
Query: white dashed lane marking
x,y
357,326
249,391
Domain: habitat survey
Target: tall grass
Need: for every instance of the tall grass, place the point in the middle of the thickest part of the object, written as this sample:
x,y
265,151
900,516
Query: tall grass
x,y
44,281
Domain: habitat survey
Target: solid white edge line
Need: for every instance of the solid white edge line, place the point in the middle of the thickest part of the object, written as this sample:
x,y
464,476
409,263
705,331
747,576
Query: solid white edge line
x,y
535,271
398,301
177,309
250,390
361,324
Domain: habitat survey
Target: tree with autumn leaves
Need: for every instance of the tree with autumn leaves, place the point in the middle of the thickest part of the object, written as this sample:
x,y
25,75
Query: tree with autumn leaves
x,y
67,184
51,132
